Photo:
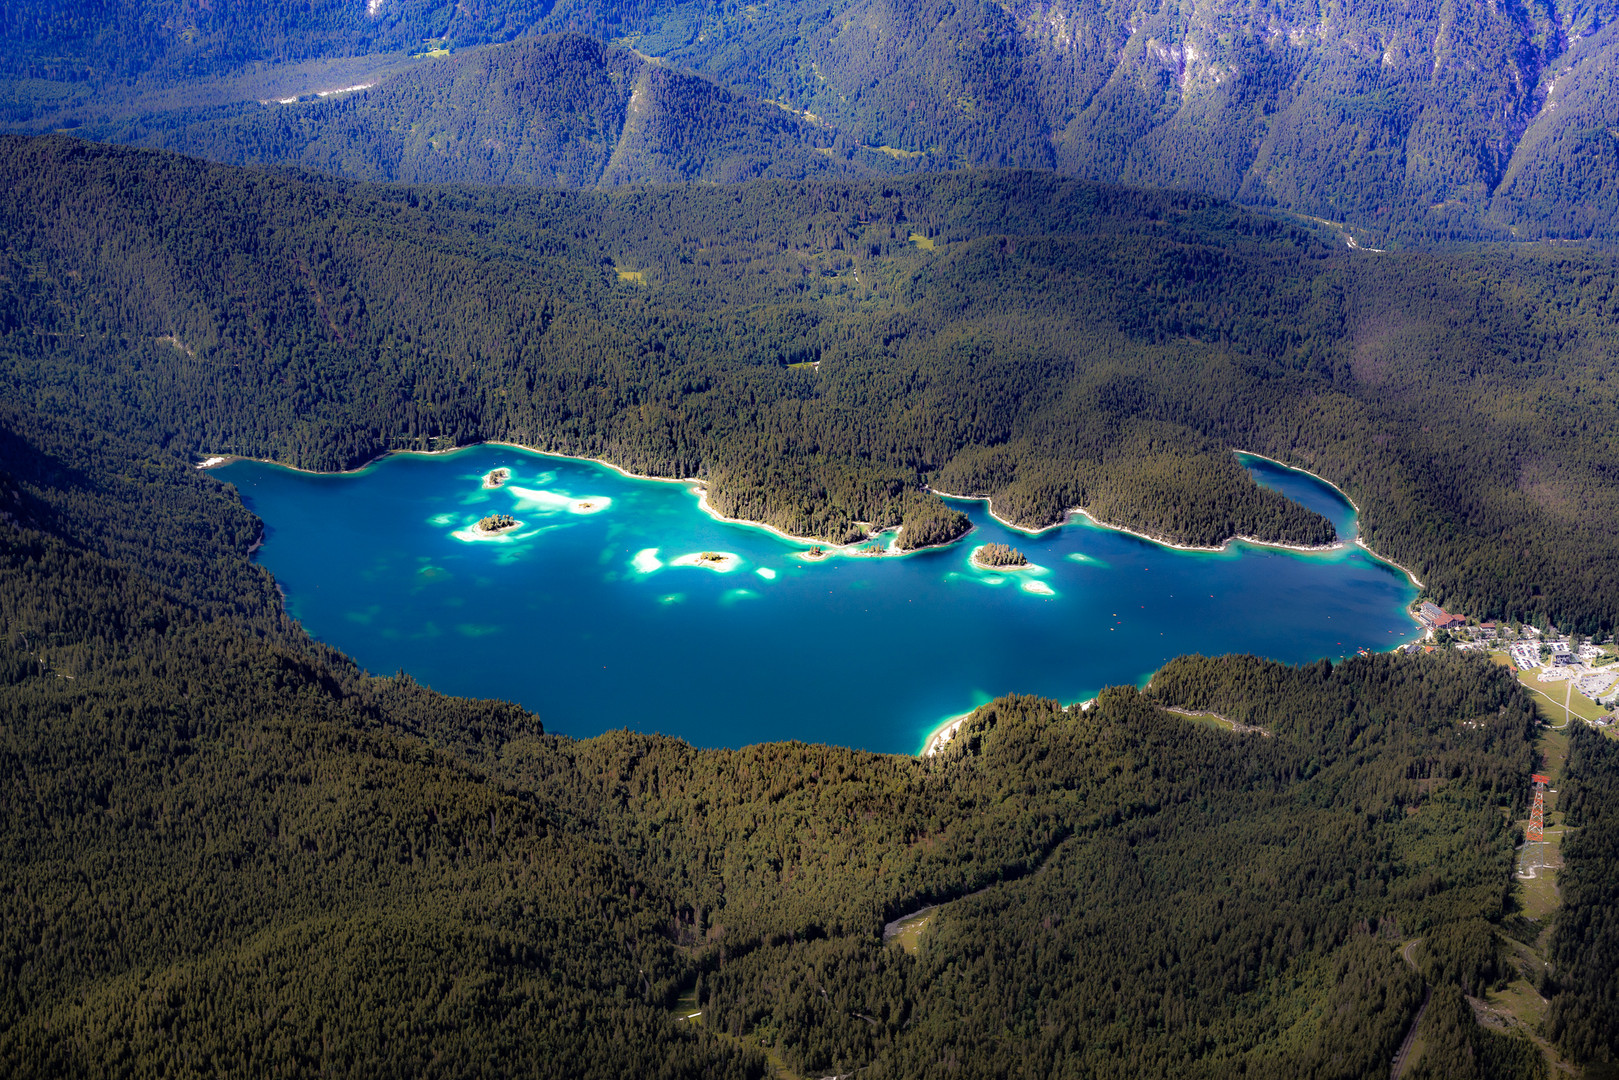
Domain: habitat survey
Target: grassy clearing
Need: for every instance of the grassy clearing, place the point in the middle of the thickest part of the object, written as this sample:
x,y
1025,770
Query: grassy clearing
x,y
921,241
1208,719
909,934
1419,1046
1553,756
897,154
1519,1001
1525,958
1519,1008
1538,896
1555,702
1215,720
1583,707
634,277
686,1008
778,1068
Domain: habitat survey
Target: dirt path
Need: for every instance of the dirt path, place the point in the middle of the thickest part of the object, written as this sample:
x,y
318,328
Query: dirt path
x,y
1236,726
897,926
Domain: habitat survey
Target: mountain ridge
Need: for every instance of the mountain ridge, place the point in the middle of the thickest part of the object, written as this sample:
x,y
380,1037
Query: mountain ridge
x,y
1432,124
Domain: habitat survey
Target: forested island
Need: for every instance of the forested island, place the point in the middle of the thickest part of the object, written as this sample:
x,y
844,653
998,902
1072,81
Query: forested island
x,y
999,557
224,843
495,524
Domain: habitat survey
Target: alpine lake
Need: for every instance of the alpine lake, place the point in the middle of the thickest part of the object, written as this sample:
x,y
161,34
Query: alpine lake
x,y
598,611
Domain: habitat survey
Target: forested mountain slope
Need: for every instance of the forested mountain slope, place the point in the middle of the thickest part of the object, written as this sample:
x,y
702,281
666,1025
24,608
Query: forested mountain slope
x,y
563,111
1424,122
224,849
1047,342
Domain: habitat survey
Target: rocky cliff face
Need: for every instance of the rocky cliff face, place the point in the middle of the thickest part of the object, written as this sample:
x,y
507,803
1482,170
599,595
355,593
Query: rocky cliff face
x,y
1437,119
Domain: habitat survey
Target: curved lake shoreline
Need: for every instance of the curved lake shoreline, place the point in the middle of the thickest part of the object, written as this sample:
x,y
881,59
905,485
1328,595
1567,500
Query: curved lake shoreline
x,y
590,618
700,489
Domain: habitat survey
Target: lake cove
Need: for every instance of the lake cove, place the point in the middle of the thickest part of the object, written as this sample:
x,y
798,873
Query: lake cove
x,y
616,602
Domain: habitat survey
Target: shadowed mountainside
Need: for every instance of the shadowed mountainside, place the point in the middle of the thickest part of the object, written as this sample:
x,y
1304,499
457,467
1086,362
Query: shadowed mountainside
x,y
564,111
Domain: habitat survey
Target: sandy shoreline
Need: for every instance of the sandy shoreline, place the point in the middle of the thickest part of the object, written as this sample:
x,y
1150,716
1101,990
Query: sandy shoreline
x,y
1305,549
942,734
700,489
1353,505
1314,476
698,486
1385,559
978,564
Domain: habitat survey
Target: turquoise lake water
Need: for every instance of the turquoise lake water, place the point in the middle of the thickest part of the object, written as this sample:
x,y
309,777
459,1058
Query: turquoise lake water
x,y
583,614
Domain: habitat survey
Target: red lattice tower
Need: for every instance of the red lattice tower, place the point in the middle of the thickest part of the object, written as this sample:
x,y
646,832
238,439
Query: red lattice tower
x,y
1537,813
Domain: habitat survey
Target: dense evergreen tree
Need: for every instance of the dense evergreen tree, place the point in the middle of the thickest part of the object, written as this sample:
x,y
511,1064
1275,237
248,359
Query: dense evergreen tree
x,y
1584,1014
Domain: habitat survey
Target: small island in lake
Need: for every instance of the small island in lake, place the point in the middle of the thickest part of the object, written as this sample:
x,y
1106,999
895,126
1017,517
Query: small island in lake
x,y
496,477
497,523
814,553
999,557
722,561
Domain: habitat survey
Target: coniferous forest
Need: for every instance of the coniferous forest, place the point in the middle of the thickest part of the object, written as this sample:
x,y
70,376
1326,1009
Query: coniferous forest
x,y
822,353
228,850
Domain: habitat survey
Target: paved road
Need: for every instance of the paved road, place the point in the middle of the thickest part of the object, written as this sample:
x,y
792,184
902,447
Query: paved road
x,y
1410,1036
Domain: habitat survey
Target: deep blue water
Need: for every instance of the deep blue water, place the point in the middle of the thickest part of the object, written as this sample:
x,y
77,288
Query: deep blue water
x,y
581,615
